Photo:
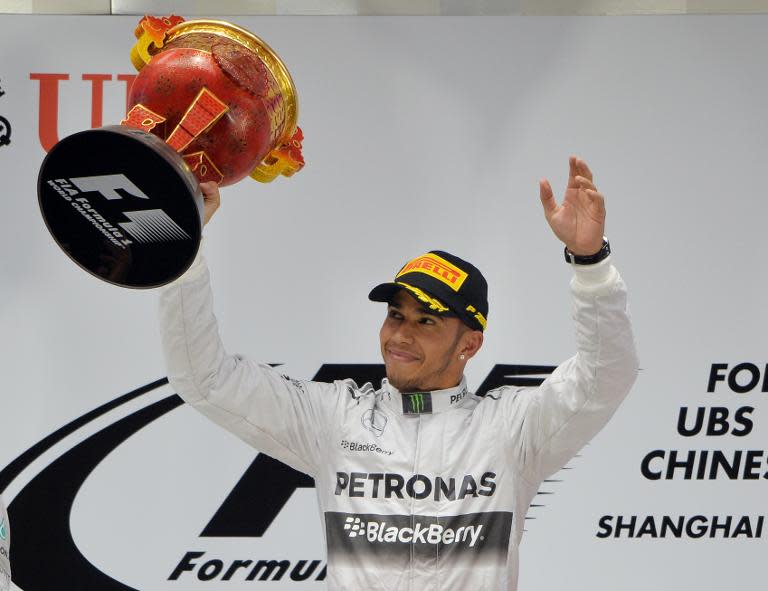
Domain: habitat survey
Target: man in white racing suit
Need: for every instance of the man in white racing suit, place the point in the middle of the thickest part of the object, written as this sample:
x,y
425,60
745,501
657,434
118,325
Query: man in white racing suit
x,y
438,499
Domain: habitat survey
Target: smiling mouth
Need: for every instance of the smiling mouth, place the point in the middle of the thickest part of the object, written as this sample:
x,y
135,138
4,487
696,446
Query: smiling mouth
x,y
402,356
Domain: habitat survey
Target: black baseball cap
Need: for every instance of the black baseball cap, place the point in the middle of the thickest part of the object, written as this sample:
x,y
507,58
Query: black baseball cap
x,y
445,284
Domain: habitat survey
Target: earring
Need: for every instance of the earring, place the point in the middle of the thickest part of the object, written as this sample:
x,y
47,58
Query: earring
x,y
461,357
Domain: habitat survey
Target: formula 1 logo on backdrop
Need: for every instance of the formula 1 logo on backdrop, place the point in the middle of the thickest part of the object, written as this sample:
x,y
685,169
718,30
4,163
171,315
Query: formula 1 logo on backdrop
x,y
45,502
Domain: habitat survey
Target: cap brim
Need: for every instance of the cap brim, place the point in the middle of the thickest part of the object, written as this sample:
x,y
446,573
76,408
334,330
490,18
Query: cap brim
x,y
384,292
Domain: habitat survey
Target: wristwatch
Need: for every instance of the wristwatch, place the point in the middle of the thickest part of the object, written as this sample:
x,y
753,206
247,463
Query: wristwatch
x,y
591,259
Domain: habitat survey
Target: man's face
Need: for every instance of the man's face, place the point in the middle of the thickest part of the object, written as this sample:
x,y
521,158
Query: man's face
x,y
420,349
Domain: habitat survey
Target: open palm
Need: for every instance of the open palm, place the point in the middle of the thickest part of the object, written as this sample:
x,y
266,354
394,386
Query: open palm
x,y
579,221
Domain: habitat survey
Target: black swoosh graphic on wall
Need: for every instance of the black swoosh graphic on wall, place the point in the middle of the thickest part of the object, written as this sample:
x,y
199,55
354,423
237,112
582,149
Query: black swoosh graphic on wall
x,y
20,464
45,557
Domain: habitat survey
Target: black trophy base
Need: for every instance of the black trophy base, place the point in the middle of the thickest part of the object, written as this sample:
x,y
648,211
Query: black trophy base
x,y
123,205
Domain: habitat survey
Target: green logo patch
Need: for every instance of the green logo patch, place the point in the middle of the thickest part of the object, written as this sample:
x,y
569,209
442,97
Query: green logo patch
x,y
417,403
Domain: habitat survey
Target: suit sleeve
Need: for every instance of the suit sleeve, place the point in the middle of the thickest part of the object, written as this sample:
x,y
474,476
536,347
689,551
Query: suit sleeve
x,y
284,418
550,424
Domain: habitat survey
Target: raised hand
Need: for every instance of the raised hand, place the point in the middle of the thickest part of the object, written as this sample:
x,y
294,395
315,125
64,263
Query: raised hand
x,y
211,200
579,221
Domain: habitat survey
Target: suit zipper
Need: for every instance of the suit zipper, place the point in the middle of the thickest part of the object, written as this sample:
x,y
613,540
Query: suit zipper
x,y
413,501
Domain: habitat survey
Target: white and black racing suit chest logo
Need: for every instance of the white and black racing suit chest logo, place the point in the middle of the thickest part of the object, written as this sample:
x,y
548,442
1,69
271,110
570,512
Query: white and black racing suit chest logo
x,y
387,485
360,447
395,540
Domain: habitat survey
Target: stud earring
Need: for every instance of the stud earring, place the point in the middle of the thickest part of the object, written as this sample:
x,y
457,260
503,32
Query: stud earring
x,y
461,357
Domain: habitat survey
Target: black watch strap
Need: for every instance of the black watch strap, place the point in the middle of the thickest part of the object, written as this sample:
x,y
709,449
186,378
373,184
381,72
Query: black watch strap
x,y
591,259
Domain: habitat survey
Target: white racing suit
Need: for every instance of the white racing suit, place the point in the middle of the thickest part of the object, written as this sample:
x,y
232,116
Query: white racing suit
x,y
421,492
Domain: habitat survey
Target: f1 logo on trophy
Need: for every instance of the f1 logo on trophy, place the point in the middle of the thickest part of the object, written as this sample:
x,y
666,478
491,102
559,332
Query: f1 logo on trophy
x,y
211,102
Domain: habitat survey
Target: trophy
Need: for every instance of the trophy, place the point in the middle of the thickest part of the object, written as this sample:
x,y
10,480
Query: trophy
x,y
211,102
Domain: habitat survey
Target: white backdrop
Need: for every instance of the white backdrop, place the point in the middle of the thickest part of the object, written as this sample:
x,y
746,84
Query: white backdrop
x,y
420,133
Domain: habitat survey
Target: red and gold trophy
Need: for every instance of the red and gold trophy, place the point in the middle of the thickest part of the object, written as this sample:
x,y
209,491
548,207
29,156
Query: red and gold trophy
x,y
211,102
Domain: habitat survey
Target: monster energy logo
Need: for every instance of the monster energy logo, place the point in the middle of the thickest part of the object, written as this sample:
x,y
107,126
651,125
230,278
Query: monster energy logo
x,y
3,529
417,403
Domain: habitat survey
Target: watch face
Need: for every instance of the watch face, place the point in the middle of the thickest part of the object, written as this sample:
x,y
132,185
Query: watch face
x,y
123,205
